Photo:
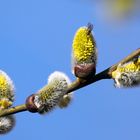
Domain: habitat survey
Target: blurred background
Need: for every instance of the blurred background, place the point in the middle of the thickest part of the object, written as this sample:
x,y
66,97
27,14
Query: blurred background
x,y
36,40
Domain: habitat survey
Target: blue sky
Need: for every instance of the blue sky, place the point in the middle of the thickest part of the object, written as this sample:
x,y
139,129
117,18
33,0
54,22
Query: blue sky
x,y
36,39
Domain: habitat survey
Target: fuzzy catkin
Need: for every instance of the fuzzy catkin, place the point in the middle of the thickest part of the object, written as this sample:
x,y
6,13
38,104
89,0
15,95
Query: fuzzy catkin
x,y
50,95
6,90
127,75
6,124
84,46
6,100
84,52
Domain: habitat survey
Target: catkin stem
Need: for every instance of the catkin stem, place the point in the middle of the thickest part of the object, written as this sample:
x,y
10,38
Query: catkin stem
x,y
79,83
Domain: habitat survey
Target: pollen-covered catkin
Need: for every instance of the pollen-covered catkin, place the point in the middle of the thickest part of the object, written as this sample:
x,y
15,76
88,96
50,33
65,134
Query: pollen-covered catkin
x,y
6,100
6,90
50,95
127,75
84,53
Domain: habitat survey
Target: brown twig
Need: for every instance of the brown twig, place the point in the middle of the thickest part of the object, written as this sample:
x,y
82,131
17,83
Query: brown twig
x,y
79,83
13,110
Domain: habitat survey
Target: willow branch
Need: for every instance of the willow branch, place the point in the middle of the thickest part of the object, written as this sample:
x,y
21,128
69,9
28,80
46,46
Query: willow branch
x,y
106,74
79,83
13,110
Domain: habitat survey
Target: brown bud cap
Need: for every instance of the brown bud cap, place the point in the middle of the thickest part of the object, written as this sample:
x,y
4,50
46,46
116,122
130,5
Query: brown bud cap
x,y
31,107
90,27
85,71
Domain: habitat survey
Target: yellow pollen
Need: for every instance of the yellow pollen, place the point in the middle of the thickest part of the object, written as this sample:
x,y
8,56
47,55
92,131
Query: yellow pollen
x,y
84,45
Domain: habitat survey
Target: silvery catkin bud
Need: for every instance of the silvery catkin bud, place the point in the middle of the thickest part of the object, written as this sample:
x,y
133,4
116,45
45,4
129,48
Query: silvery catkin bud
x,y
49,96
6,124
127,75
84,53
6,90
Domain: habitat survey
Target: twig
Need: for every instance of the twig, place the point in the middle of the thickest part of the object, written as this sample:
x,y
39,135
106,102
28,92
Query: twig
x,y
13,110
79,83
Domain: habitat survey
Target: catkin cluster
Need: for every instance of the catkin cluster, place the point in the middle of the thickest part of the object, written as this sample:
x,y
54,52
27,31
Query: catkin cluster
x,y
54,94
6,101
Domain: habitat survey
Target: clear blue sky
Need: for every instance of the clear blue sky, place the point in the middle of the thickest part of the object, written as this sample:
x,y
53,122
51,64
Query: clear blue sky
x,y
35,40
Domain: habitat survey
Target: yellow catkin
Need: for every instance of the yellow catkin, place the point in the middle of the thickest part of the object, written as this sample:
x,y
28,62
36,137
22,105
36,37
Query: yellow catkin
x,y
131,66
128,74
84,46
5,103
49,96
6,100
6,91
3,85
